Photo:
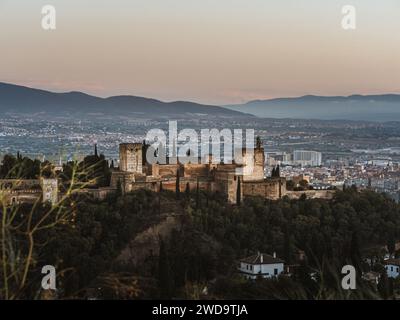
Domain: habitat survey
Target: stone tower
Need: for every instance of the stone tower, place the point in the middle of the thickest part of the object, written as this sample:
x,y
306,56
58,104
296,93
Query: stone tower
x,y
131,157
253,164
49,190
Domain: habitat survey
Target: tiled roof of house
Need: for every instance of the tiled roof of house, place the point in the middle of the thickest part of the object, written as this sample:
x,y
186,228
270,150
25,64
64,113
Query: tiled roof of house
x,y
394,262
261,258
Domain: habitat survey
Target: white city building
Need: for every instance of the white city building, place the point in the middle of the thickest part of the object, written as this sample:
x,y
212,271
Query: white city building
x,y
392,267
261,265
307,158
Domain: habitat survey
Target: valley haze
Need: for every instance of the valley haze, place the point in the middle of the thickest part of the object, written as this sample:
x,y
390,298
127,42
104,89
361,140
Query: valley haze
x,y
384,107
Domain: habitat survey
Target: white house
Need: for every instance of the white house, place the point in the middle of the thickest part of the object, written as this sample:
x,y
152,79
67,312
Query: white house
x,y
392,267
261,265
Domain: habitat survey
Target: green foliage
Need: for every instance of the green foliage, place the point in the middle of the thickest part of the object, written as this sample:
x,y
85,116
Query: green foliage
x,y
87,247
19,167
165,278
212,235
93,170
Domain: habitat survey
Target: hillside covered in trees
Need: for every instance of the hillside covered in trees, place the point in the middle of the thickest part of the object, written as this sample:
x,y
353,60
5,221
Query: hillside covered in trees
x,y
199,256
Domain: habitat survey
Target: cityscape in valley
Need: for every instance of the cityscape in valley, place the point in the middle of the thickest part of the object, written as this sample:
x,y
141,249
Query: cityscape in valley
x,y
199,150
328,154
342,169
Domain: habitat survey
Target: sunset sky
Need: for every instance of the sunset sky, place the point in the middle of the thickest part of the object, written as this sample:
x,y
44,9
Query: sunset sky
x,y
209,51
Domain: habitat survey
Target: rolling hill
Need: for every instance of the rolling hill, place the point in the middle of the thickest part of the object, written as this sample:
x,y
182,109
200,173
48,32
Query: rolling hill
x,y
20,99
356,107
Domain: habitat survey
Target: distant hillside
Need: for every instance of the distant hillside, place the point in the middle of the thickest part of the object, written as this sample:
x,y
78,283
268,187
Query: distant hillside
x,y
19,99
355,107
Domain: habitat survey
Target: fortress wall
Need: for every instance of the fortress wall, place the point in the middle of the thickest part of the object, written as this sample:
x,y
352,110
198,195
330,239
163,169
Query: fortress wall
x,y
196,170
311,194
270,188
19,183
29,190
123,178
204,184
168,170
131,157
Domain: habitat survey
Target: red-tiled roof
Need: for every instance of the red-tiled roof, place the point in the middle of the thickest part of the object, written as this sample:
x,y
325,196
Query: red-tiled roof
x,y
394,262
261,258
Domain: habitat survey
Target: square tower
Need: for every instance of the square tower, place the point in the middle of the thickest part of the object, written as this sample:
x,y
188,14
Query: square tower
x,y
253,161
49,190
131,157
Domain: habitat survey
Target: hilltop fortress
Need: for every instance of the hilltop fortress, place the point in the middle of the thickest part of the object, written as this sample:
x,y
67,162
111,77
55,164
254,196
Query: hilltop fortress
x,y
232,180
246,179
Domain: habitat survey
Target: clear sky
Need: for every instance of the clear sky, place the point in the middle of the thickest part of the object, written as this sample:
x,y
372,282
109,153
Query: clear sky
x,y
210,51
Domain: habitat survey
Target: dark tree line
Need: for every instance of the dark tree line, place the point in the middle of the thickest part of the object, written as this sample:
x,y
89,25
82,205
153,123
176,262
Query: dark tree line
x,y
93,168
19,167
212,235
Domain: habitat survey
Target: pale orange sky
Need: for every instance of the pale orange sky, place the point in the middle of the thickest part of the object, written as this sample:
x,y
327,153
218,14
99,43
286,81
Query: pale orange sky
x,y
209,51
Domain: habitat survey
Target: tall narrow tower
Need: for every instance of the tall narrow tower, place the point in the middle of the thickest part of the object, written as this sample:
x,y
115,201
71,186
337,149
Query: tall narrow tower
x,y
131,157
254,164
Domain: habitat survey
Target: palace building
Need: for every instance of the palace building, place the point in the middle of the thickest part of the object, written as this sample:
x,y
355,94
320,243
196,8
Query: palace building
x,y
15,191
136,173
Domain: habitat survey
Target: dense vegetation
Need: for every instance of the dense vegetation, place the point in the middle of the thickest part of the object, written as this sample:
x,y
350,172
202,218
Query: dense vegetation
x,y
353,226
20,167
212,235
93,170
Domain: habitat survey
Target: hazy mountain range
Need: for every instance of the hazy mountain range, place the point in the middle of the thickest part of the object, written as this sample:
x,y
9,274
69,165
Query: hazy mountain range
x,y
20,99
356,107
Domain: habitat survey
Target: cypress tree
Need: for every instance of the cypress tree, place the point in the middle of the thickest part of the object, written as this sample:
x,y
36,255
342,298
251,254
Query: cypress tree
x,y
355,253
197,194
165,279
119,189
238,193
391,244
288,246
383,285
177,185
258,142
187,190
